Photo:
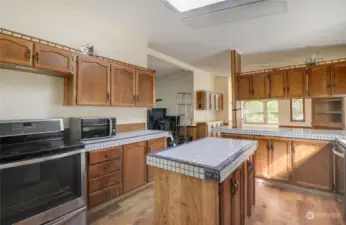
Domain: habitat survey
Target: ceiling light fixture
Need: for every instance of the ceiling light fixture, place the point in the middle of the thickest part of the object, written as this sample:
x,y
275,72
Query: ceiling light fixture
x,y
187,5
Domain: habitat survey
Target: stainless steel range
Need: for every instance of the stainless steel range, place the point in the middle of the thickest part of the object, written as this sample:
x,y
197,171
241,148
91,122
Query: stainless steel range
x,y
42,175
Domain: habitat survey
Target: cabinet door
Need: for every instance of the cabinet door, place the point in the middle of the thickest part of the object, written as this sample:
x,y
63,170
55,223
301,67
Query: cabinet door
x,y
134,166
338,83
296,83
244,87
237,188
277,84
226,201
280,160
201,100
146,86
312,164
260,86
93,81
15,51
262,158
51,58
251,186
319,81
340,174
220,101
153,146
123,86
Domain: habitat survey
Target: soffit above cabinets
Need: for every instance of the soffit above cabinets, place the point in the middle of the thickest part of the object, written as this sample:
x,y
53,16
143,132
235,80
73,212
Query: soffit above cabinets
x,y
228,11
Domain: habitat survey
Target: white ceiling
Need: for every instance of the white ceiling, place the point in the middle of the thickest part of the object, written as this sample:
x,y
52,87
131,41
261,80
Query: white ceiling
x,y
163,68
307,23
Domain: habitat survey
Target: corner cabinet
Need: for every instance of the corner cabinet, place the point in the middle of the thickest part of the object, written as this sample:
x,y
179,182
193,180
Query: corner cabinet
x,y
16,51
93,77
145,89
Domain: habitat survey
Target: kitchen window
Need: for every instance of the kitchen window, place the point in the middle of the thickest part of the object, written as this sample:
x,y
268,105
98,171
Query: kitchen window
x,y
261,112
297,110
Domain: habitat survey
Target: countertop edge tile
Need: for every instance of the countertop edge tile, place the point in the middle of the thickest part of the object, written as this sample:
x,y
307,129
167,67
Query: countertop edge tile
x,y
124,138
311,134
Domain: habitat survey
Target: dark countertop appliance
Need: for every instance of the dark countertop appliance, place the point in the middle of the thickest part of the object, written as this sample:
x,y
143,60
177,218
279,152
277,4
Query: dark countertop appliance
x,y
42,174
88,128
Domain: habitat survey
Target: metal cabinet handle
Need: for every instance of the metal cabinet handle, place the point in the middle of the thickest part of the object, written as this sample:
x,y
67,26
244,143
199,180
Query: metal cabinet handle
x,y
250,166
28,52
37,57
234,187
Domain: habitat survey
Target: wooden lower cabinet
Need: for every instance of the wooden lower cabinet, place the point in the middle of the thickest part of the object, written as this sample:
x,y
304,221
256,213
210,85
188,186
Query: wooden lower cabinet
x,y
153,146
232,204
340,174
104,195
262,157
251,186
134,166
313,164
280,159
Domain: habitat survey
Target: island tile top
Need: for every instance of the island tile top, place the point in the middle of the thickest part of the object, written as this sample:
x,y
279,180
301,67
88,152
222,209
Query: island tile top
x,y
208,158
313,134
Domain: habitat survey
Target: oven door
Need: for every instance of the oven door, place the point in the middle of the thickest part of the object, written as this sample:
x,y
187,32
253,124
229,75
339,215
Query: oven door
x,y
40,190
96,128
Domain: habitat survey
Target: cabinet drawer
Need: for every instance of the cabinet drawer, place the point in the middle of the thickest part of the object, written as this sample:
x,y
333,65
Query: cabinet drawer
x,y
97,198
104,168
104,195
104,155
113,191
104,181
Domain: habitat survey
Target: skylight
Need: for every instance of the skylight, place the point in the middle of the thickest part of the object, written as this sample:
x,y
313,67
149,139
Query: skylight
x,y
187,5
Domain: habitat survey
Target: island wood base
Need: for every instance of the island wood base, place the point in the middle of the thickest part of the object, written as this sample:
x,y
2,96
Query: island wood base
x,y
184,200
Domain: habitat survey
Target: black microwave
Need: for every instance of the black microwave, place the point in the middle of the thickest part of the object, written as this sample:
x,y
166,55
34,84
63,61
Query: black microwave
x,y
86,128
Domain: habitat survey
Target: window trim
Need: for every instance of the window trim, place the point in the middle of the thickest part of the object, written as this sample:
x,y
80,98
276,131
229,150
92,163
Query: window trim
x,y
291,111
265,119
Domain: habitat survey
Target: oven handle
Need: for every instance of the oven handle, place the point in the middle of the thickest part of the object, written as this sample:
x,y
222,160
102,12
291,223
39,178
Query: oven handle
x,y
110,127
38,160
68,217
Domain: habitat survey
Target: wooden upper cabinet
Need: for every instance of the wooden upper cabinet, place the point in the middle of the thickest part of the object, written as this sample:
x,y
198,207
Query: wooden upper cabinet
x,y
260,86
244,87
123,86
15,51
51,58
277,80
280,160
313,164
319,81
93,81
338,78
146,86
296,83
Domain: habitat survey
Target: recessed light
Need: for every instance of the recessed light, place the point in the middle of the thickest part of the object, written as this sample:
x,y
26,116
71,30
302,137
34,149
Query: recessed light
x,y
187,5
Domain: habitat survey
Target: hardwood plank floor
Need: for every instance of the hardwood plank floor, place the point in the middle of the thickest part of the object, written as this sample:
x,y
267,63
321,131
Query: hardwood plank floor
x,y
274,206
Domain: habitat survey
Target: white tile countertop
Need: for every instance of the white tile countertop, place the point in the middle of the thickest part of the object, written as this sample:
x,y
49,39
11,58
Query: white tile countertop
x,y
124,138
208,158
312,134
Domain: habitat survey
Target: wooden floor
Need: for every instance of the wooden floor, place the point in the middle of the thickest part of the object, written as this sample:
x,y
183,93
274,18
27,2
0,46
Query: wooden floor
x,y
274,206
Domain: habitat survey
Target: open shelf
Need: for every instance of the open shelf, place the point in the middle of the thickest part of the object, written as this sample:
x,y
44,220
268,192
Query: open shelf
x,y
328,113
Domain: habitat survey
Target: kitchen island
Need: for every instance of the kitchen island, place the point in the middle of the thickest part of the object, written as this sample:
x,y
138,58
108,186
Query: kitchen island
x,y
205,182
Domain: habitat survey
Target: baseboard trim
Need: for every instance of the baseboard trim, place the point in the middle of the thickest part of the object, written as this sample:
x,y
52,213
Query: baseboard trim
x,y
326,195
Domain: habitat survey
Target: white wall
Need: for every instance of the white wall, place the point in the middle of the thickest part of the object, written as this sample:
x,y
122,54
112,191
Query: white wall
x,y
201,81
167,88
224,85
26,95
